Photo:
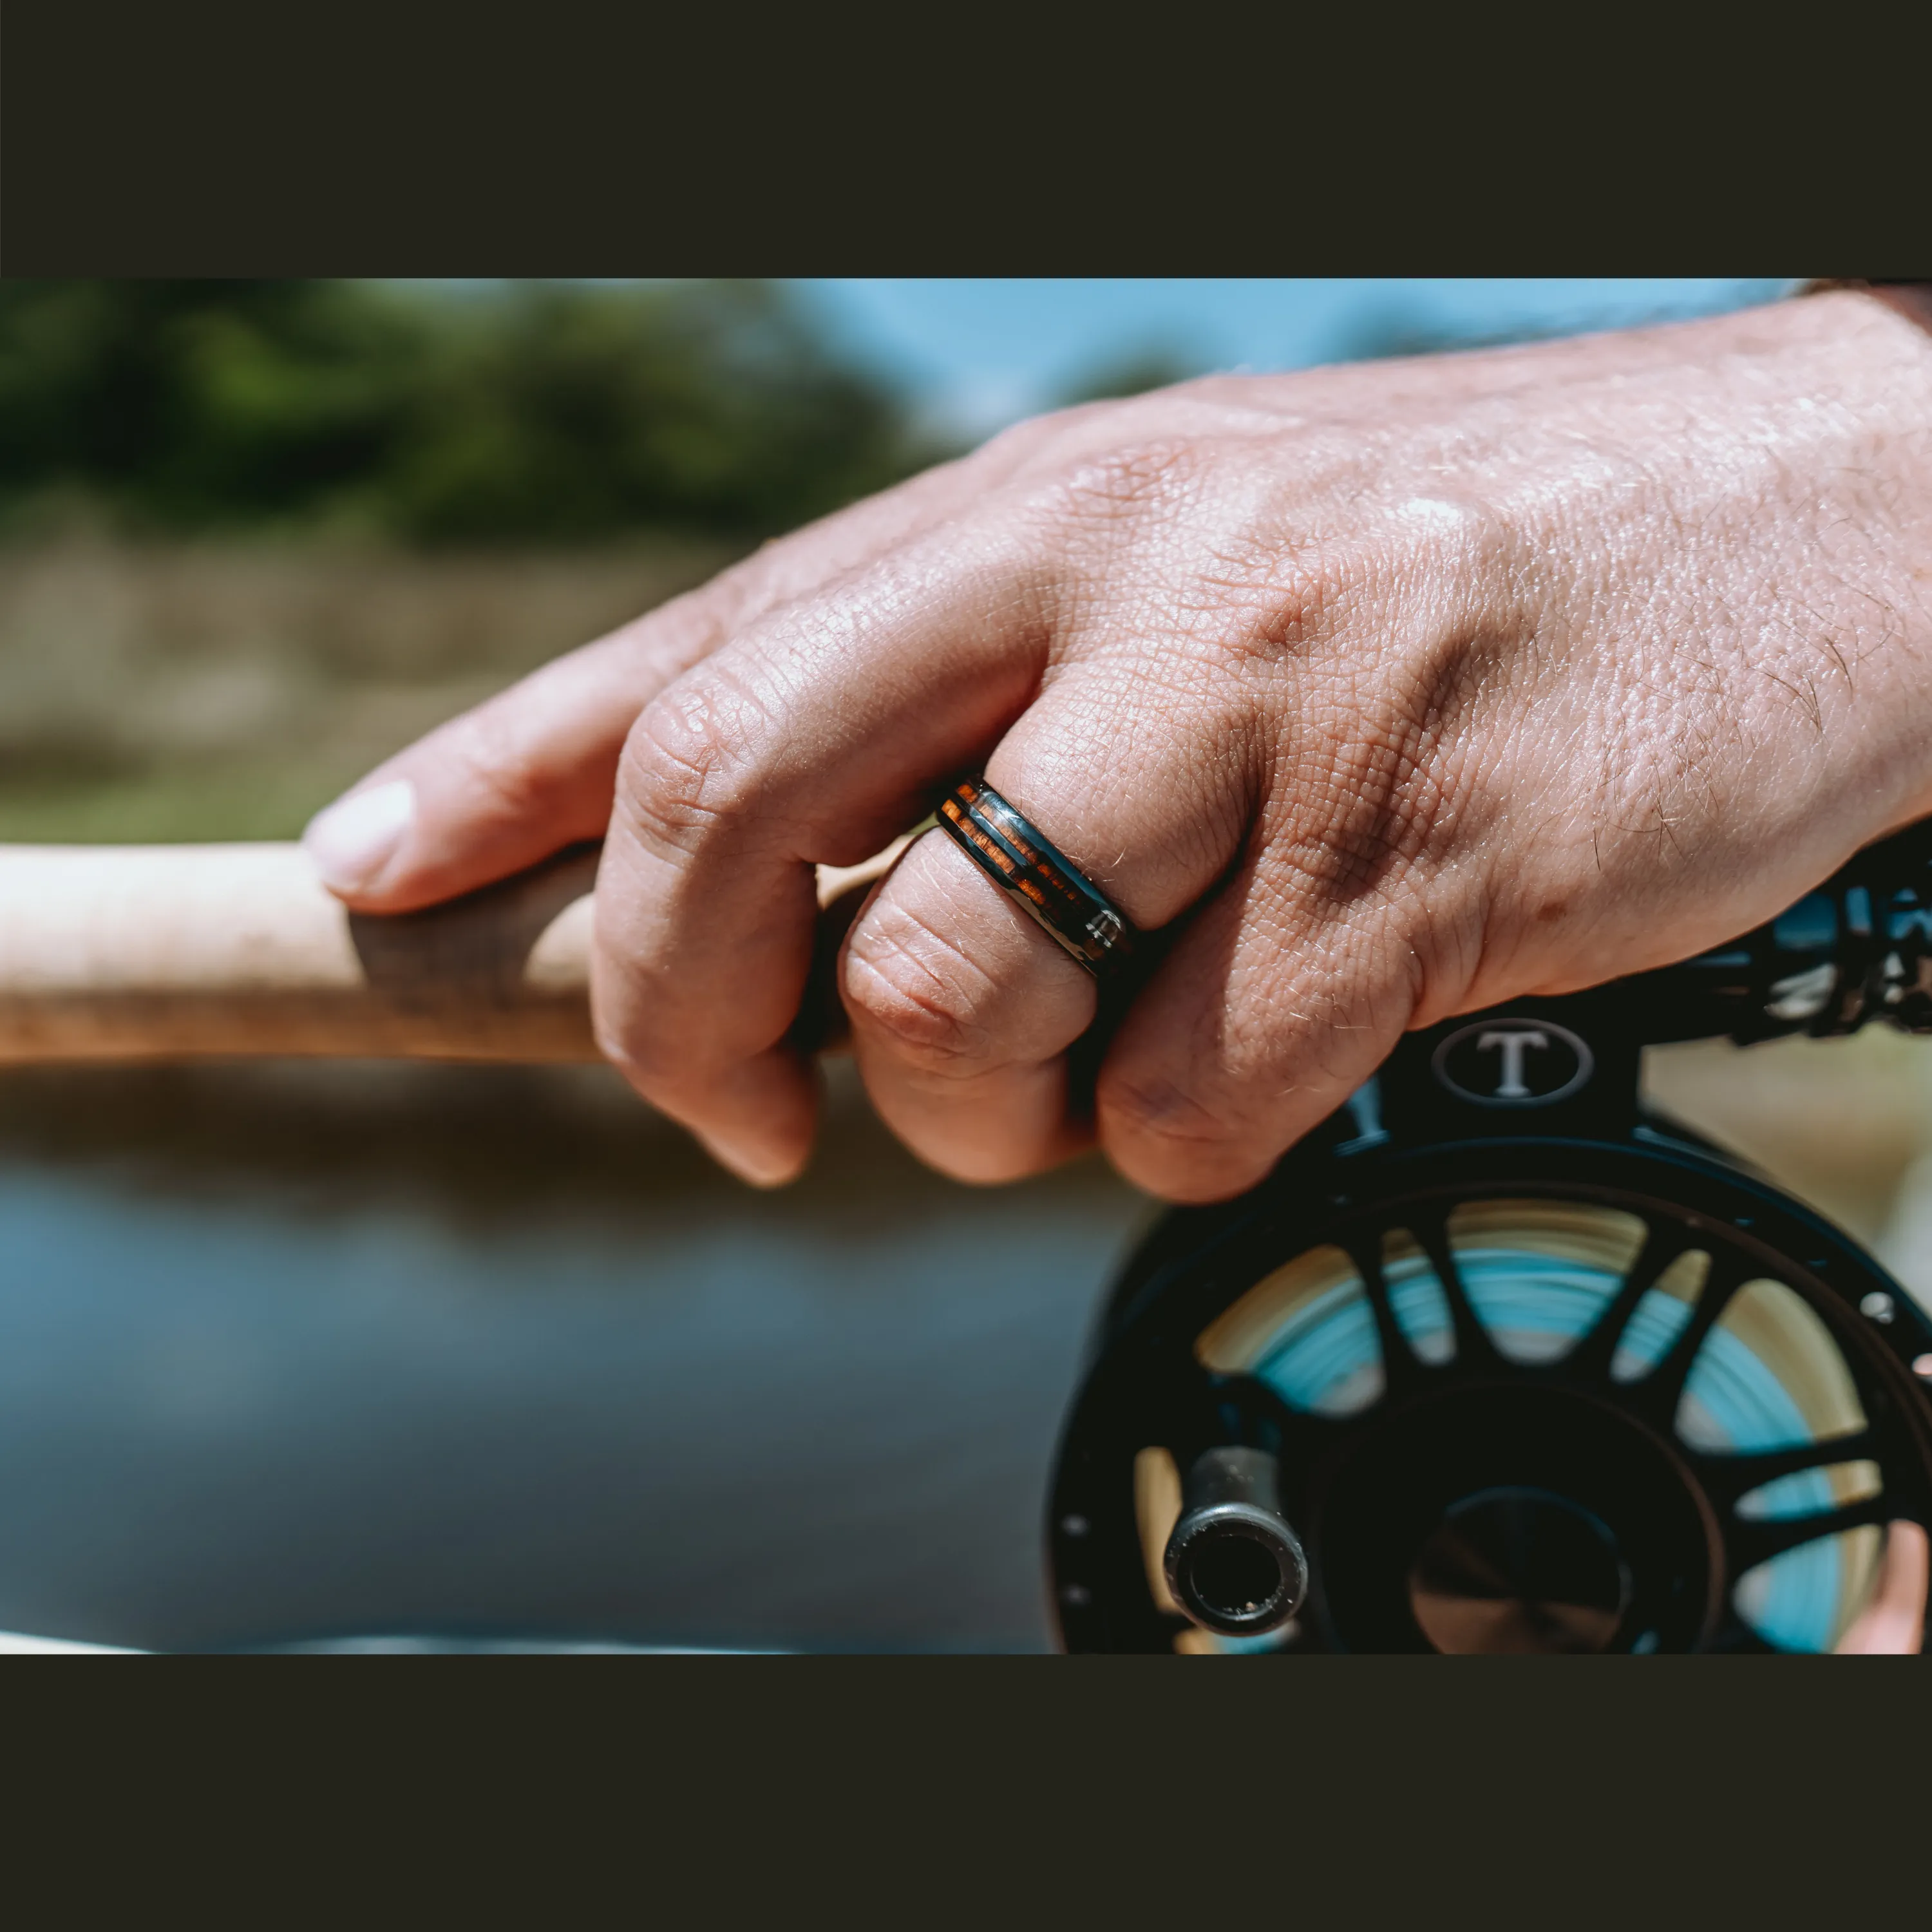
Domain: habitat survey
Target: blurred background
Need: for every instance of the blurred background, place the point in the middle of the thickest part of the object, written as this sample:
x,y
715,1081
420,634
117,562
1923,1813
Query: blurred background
x,y
299,1353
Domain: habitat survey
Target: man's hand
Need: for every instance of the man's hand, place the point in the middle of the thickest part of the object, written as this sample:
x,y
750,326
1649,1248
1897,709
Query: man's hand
x,y
1387,692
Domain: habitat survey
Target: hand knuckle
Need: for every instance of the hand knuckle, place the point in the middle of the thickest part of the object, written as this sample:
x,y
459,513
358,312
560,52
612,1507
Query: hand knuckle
x,y
1152,1110
1131,483
918,996
689,764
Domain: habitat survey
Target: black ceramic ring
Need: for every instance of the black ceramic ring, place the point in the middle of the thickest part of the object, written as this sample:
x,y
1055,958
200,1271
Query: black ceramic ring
x,y
1012,852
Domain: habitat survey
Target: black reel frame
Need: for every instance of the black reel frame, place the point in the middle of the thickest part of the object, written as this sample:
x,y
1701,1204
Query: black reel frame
x,y
1540,1099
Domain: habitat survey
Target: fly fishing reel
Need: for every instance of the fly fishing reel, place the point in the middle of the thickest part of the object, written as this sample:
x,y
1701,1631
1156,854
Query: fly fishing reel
x,y
1499,1359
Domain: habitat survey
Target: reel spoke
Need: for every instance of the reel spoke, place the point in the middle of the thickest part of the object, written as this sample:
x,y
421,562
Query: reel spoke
x,y
1728,1478
1401,1365
1749,1544
1474,1348
1658,1393
1592,1357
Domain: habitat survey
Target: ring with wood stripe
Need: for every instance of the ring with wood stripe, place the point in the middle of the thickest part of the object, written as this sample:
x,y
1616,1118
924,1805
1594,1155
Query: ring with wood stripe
x,y
1011,852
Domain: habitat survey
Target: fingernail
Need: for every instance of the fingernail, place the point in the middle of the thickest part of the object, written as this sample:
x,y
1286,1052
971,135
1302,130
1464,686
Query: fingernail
x,y
351,840
758,1166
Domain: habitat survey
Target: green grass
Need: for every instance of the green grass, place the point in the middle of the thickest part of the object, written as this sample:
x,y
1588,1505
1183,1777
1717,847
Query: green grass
x,y
163,693
169,806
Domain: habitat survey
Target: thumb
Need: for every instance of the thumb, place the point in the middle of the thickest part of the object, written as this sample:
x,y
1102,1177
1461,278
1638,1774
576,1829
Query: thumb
x,y
530,771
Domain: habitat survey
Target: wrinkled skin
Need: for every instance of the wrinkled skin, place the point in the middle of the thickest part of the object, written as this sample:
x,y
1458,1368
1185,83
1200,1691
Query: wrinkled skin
x,y
1387,692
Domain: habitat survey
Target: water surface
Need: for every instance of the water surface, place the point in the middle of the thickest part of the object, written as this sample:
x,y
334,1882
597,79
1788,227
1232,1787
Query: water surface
x,y
293,1352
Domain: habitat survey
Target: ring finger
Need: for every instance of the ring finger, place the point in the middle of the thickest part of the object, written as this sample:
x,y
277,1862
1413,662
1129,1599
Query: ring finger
x,y
962,1008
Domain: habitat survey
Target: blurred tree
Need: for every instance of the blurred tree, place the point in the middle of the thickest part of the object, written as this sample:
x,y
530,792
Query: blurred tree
x,y
550,411
187,402
558,412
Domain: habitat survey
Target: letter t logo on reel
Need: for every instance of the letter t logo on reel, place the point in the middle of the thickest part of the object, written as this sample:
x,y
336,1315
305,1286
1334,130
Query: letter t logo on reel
x,y
1510,1063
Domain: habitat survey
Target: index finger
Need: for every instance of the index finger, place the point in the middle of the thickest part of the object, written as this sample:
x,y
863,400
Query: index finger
x,y
531,769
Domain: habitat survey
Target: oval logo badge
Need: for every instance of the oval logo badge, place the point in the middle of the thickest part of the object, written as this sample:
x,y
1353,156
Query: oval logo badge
x,y
1513,1062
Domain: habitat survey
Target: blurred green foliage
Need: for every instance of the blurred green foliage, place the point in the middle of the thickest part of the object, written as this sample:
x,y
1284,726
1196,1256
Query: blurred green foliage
x,y
542,413
255,536
1133,372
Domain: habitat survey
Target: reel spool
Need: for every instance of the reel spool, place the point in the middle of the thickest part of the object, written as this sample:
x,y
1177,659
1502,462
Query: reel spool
x,y
1499,1360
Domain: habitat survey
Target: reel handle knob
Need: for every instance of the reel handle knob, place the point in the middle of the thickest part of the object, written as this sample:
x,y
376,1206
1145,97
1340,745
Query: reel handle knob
x,y
1234,1562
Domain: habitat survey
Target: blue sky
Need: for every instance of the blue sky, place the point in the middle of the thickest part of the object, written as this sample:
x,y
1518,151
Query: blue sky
x,y
981,352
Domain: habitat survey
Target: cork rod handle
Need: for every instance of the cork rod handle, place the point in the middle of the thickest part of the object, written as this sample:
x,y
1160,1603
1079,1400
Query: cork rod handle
x,y
163,952
186,952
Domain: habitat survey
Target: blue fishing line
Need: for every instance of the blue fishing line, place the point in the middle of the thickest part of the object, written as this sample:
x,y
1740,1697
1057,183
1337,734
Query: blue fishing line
x,y
1325,1360
1732,1401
